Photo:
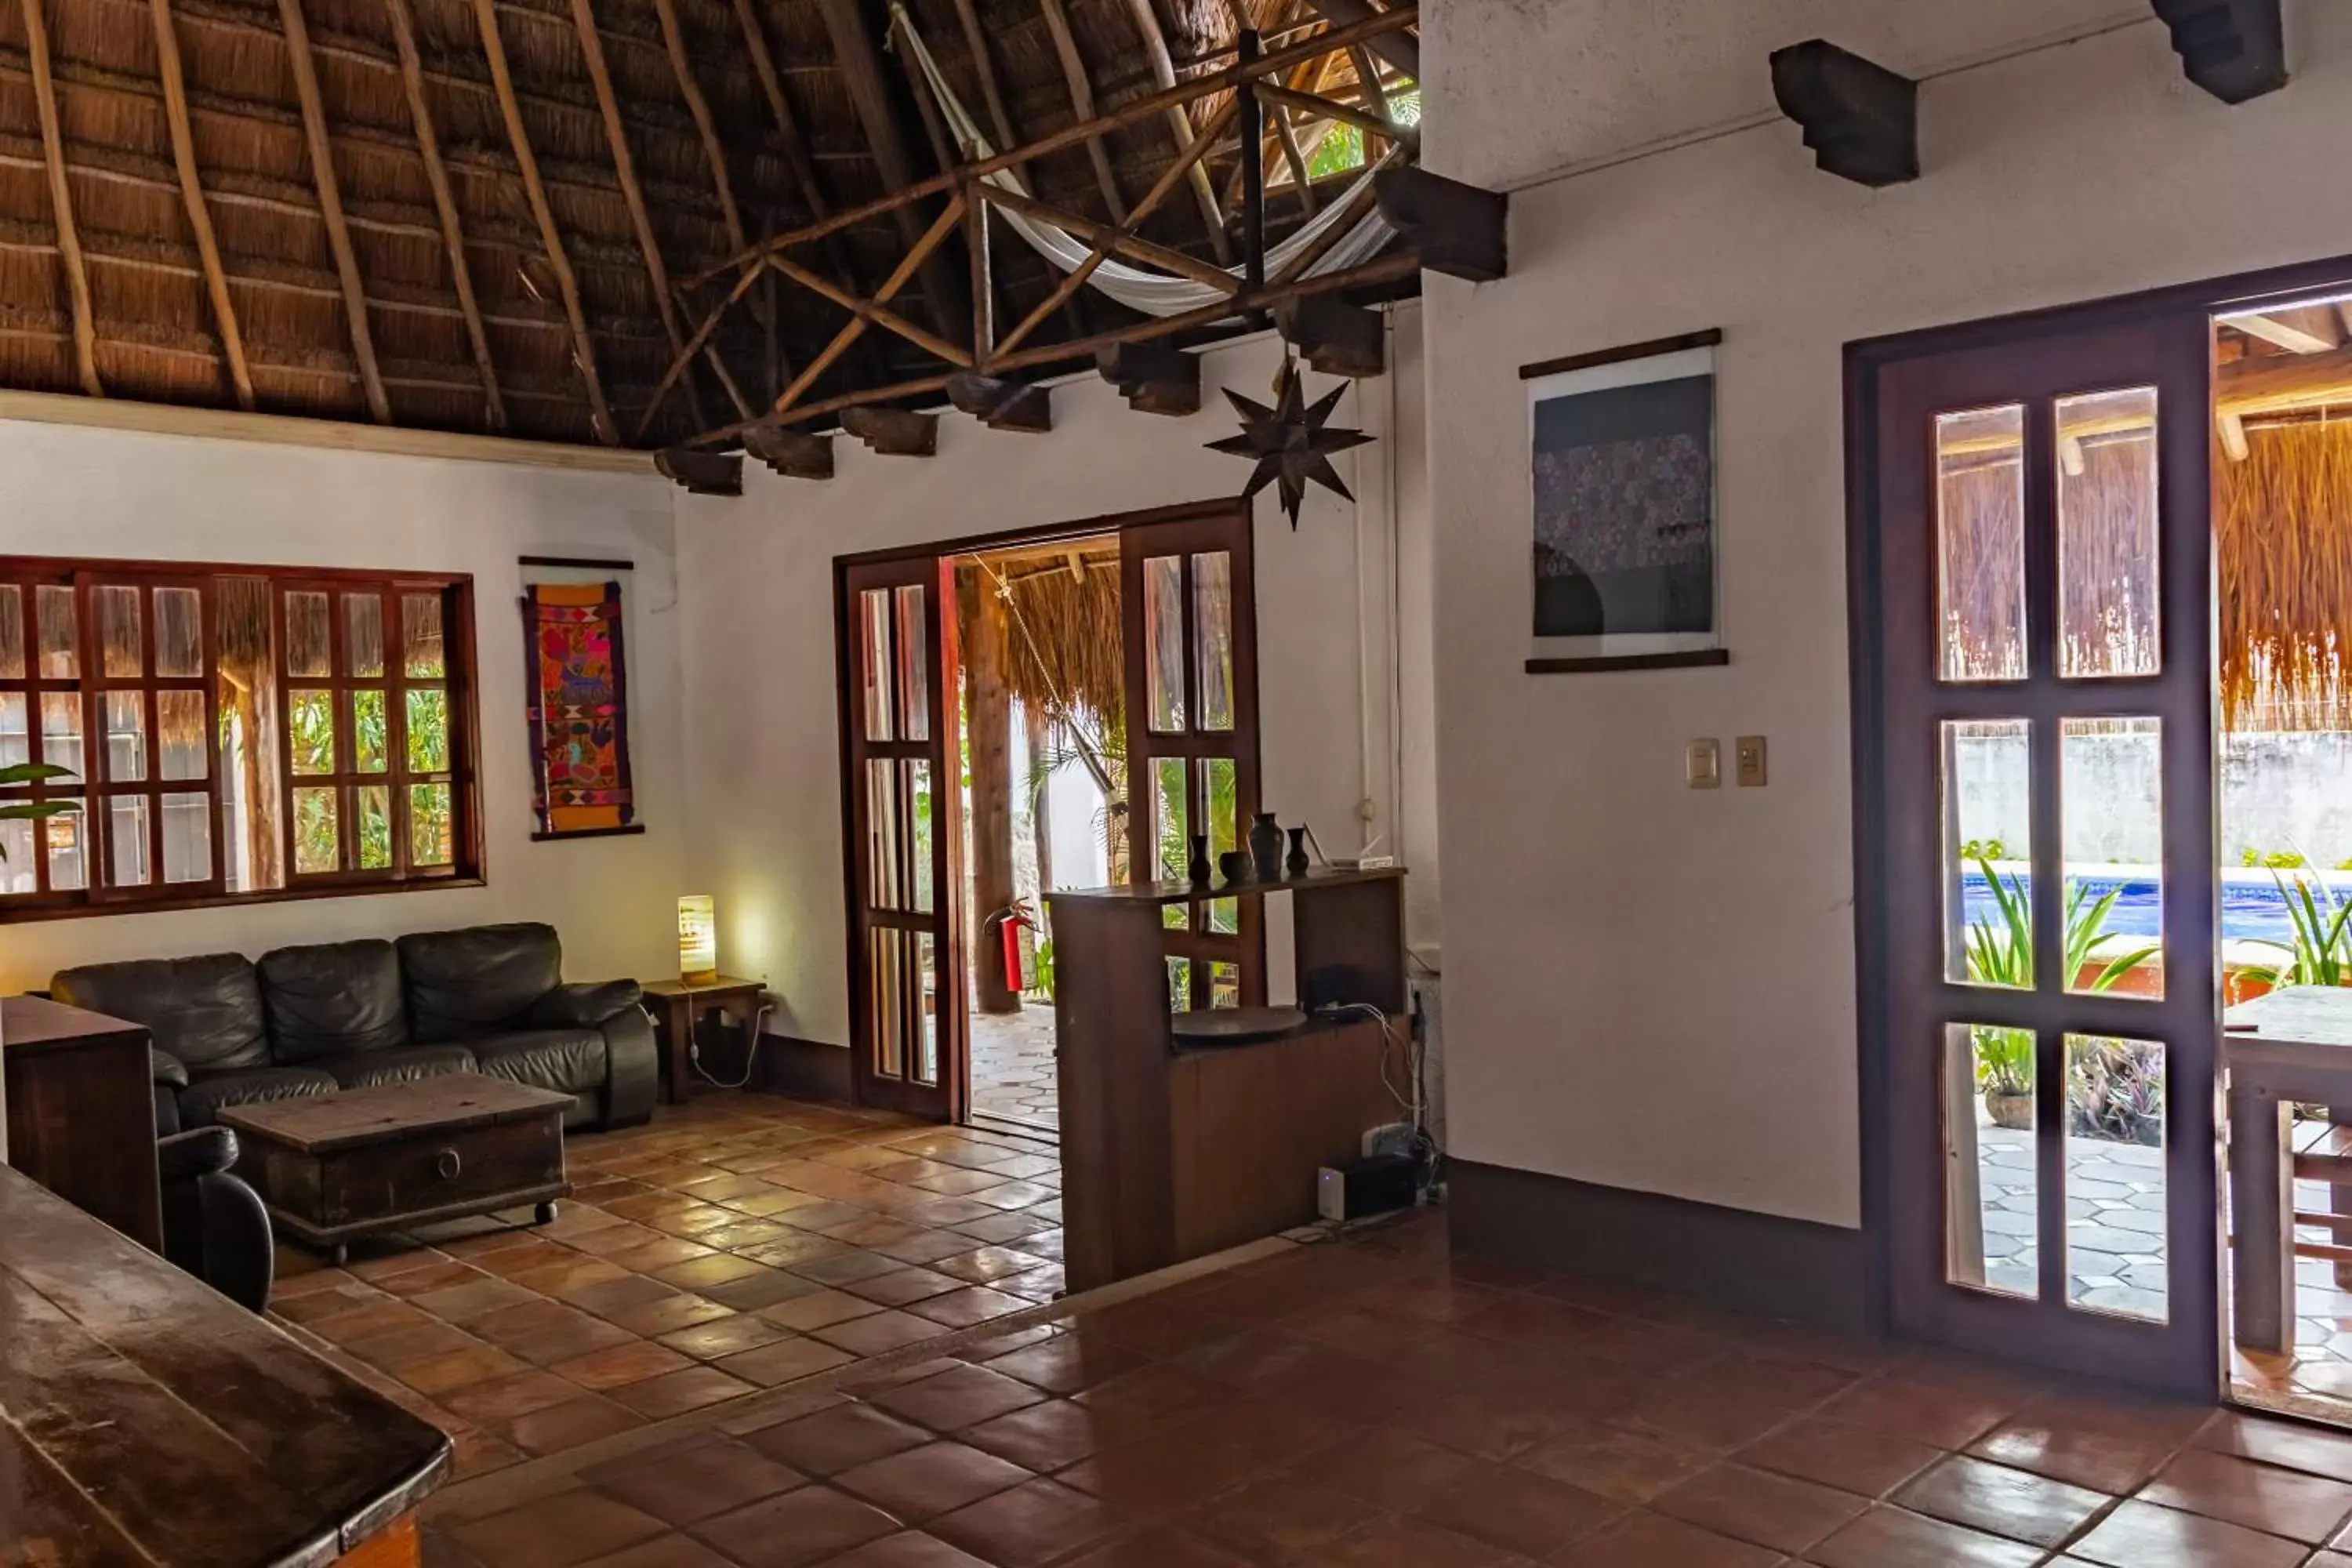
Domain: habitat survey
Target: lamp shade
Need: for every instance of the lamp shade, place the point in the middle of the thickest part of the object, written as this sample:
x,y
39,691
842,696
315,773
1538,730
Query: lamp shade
x,y
698,939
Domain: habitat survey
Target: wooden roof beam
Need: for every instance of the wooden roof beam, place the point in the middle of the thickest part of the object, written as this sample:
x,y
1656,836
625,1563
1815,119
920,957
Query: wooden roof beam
x,y
583,349
788,129
860,62
192,195
1403,52
444,207
697,108
45,100
2235,50
917,254
1082,105
624,169
331,206
2309,331
1861,119
1179,121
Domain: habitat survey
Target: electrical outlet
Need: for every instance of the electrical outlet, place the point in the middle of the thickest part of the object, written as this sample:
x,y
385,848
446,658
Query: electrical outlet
x,y
1703,764
1747,761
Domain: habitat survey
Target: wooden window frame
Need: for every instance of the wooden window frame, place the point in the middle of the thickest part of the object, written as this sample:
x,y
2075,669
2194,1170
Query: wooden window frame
x,y
100,895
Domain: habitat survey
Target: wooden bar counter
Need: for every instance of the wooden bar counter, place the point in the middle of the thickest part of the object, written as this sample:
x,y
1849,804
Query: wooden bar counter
x,y
146,1420
1169,1155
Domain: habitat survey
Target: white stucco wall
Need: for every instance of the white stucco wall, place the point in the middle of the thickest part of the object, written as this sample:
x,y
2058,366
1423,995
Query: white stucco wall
x,y
757,574
68,491
1650,986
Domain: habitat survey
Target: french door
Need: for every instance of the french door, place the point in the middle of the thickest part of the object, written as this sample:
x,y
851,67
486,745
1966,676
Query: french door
x,y
1188,608
903,789
2036,780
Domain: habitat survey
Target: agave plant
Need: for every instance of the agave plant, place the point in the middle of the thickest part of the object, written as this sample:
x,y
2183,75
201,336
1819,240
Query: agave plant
x,y
32,810
2321,953
2001,952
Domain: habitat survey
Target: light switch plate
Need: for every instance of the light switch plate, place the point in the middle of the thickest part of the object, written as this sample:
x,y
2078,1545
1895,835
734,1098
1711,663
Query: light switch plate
x,y
1747,761
1703,764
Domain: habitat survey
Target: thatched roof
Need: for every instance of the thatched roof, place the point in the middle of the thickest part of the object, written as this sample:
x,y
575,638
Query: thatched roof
x,y
1059,611
157,330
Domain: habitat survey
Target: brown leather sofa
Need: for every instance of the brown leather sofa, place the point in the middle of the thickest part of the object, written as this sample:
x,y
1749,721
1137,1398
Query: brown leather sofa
x,y
307,1021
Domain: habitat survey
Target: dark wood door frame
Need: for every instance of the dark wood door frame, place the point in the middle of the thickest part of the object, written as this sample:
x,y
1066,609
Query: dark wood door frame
x,y
1866,363
951,866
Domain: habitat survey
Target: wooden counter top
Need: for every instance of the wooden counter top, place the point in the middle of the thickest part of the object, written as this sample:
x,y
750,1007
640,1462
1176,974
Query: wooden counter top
x,y
146,1419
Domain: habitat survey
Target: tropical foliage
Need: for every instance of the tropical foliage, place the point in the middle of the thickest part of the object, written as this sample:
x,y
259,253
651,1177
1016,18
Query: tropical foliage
x,y
2001,952
2321,953
32,810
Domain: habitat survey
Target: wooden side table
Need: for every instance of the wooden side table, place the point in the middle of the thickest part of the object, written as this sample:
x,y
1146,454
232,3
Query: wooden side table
x,y
81,1112
678,1009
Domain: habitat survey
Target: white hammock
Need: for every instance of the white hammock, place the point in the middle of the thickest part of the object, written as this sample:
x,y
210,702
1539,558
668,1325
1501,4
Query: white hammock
x,y
1154,293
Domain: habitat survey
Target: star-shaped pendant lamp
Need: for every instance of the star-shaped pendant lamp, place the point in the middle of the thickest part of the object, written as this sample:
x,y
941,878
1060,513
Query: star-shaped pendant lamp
x,y
1289,441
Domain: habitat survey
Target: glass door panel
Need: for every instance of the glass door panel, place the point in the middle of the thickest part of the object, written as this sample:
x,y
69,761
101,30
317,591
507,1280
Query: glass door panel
x,y
2042,759
899,670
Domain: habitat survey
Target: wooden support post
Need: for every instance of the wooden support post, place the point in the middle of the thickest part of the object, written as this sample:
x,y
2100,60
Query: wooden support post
x,y
1457,230
584,348
989,701
702,473
792,454
1154,379
1336,337
1861,119
191,196
1082,103
1036,737
331,206
984,281
53,157
1003,404
1252,113
444,207
894,432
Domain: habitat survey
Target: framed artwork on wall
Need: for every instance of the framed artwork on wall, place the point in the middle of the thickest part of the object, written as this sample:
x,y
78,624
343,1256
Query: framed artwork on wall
x,y
1622,448
575,660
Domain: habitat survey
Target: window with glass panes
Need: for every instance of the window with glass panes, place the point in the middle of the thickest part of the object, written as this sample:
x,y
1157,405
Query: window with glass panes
x,y
232,732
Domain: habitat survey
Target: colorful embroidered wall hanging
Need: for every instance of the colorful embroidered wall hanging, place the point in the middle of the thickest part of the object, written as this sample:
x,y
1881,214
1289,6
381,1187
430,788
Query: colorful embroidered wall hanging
x,y
579,708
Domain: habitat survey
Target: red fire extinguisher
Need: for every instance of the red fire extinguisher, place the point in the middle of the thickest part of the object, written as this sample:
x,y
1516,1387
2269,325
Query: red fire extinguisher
x,y
1011,922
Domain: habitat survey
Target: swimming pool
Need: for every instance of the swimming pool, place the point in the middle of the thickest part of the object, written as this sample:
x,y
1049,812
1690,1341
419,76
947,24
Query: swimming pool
x,y
2252,906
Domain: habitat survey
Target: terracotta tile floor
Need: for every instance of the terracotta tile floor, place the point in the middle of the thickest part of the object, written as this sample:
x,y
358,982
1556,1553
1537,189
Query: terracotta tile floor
x,y
1012,1080
739,1242
1375,1402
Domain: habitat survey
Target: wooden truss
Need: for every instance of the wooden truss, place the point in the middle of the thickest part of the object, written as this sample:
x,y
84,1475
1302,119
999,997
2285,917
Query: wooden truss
x,y
1443,225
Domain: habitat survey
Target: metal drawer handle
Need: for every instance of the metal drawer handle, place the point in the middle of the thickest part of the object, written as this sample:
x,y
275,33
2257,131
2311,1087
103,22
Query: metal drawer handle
x,y
447,1163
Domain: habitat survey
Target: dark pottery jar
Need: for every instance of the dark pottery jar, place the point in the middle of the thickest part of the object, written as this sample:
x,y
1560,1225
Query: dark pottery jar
x,y
1296,863
1265,847
1198,868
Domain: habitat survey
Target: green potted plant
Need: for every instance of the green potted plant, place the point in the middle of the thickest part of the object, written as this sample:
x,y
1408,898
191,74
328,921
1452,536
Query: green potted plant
x,y
2001,952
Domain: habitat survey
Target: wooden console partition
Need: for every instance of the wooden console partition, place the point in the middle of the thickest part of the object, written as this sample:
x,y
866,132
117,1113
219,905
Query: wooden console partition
x,y
1168,1156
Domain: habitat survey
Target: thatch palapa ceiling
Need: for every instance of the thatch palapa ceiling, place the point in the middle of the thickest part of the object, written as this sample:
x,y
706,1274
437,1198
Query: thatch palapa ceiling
x,y
368,210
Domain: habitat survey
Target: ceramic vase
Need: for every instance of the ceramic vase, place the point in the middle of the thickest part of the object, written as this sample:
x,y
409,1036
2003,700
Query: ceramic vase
x,y
1296,863
1234,867
1197,869
1265,847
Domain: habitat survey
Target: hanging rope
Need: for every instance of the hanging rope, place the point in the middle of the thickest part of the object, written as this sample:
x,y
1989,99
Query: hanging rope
x,y
1154,293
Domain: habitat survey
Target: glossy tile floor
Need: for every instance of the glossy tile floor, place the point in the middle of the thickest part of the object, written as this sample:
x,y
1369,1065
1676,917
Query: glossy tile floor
x,y
1012,1082
739,1242
1375,1402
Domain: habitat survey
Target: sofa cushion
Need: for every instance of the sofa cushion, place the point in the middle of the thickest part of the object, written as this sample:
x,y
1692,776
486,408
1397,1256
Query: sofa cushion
x,y
465,985
210,1092
206,1012
569,1060
332,999
394,1064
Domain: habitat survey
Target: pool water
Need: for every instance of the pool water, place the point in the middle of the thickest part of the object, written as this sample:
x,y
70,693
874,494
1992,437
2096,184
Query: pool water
x,y
2253,907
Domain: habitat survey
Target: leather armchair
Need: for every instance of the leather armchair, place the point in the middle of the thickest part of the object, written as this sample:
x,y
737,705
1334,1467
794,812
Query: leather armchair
x,y
214,1227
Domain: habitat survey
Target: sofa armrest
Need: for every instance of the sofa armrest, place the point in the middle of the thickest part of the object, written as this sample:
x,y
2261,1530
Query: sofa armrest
x,y
165,1068
206,1152
632,1068
584,1007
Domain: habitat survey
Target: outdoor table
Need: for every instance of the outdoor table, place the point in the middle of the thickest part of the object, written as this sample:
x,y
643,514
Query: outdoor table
x,y
2290,1047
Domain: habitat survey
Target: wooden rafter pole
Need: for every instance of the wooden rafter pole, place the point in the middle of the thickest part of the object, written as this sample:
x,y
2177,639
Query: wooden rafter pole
x,y
1118,238
53,154
583,349
1293,154
992,92
191,195
331,206
1224,80
632,196
1403,52
1076,278
698,108
1179,121
1345,113
860,62
1082,103
1252,169
694,345
943,226
874,313
445,206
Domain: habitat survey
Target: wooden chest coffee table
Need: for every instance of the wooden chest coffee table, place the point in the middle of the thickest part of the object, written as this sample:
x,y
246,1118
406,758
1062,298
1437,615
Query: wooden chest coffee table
x,y
371,1160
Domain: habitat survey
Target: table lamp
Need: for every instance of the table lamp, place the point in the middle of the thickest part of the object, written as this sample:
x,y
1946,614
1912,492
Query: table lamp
x,y
698,939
